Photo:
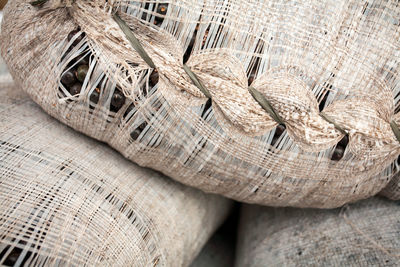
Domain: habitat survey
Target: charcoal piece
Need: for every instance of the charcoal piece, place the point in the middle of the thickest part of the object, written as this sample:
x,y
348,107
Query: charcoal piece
x,y
136,133
83,60
162,10
81,72
344,141
338,153
117,100
340,148
154,77
75,89
68,78
95,96
278,132
128,110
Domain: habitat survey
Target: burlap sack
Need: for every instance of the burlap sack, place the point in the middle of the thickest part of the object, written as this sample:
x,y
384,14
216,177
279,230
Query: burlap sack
x,y
362,234
66,200
299,57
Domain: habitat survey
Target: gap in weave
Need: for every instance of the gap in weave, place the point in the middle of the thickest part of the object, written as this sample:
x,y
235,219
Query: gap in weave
x,y
192,42
98,91
31,233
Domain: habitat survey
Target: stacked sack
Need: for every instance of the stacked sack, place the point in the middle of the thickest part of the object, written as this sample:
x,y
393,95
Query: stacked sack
x,y
277,103
68,200
363,234
146,77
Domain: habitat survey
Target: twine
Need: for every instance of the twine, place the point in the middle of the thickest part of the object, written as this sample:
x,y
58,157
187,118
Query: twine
x,y
261,100
258,97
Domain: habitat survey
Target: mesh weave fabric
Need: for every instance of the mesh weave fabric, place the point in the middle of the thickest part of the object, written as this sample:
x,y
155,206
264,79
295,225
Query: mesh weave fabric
x,y
67,200
340,57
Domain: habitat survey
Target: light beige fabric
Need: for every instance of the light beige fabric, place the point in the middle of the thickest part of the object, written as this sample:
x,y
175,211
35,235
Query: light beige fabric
x,y
362,234
67,200
298,51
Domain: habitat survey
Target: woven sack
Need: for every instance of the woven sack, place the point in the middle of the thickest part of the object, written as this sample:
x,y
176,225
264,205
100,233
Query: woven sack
x,y
67,200
362,234
225,96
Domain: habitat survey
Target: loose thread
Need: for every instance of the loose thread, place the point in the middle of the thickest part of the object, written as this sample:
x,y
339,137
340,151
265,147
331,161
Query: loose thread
x,y
134,41
196,81
264,103
143,54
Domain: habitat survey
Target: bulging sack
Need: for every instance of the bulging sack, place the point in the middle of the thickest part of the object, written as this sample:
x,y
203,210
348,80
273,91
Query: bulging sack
x,y
278,103
362,234
67,200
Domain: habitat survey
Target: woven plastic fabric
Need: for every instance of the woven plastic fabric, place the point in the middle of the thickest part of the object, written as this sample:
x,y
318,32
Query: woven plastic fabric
x,y
362,234
67,200
226,72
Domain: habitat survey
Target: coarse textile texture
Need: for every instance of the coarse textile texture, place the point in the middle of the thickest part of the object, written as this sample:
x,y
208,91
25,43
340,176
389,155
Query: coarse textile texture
x,y
362,234
303,57
67,200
